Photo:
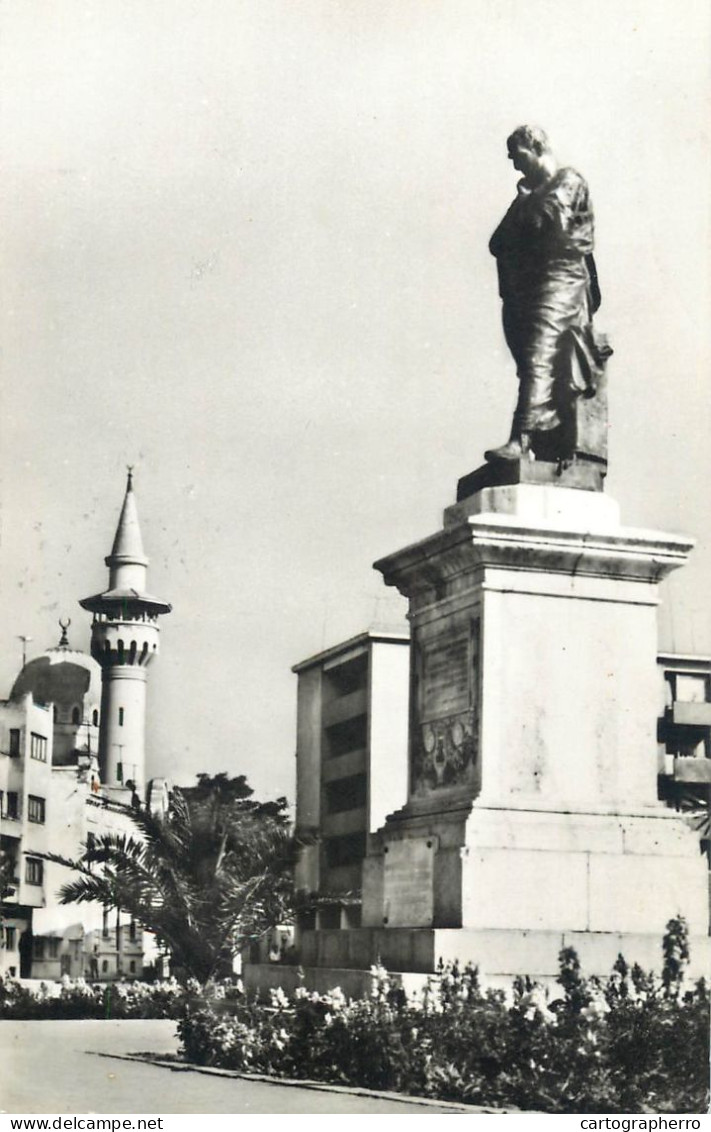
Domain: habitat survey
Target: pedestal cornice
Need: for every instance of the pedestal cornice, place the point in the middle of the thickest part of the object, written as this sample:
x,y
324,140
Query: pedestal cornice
x,y
625,554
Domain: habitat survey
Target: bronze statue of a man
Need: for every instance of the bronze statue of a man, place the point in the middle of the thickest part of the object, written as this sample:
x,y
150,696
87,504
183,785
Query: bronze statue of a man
x,y
548,286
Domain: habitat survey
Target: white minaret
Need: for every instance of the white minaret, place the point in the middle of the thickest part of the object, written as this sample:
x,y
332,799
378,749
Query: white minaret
x,y
124,639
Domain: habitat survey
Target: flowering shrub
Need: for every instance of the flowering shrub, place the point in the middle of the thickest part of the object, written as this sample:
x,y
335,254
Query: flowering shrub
x,y
630,1043
79,999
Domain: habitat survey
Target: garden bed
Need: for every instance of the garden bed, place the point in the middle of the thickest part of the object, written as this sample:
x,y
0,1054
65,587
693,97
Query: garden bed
x,y
629,1043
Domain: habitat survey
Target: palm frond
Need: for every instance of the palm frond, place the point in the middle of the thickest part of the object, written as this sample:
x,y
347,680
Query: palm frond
x,y
204,878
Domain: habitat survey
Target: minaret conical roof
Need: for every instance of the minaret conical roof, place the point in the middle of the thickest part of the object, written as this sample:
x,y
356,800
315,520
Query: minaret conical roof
x,y
127,566
128,543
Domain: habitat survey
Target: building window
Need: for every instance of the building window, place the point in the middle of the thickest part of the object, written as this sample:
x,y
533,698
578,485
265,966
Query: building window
x,y
330,916
35,809
13,804
352,676
53,947
132,966
10,938
34,871
38,747
120,717
38,948
119,772
95,718
104,965
347,850
76,716
14,742
346,794
105,923
307,921
132,930
8,849
349,735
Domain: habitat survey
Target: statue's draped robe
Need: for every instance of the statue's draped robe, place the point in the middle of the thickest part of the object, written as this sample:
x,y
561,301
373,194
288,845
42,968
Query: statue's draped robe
x,y
543,248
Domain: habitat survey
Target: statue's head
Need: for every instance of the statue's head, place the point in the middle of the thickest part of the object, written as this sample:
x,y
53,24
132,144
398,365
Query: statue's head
x,y
532,138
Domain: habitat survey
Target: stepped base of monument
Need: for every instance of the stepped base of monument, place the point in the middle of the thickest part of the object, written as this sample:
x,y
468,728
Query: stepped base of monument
x,y
343,958
506,868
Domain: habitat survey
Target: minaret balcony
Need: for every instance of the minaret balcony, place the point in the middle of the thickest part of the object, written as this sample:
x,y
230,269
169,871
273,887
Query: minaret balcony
x,y
139,616
124,643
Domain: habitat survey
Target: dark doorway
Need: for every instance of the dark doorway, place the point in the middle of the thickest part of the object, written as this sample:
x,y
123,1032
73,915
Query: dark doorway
x,y
25,949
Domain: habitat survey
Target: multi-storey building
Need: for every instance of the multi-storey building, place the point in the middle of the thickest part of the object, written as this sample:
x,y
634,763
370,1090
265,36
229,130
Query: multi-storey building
x,y
25,801
684,735
351,759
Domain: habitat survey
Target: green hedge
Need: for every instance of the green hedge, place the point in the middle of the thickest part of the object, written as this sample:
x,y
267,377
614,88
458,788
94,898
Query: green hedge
x,y
629,1043
79,999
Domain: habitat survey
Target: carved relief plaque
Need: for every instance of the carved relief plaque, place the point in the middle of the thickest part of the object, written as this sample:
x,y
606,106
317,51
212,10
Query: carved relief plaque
x,y
445,677
445,728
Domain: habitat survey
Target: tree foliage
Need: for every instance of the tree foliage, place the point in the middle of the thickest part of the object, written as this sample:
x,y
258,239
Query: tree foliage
x,y
205,878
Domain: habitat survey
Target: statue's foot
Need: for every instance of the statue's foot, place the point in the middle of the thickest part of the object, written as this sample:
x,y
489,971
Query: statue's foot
x,y
515,449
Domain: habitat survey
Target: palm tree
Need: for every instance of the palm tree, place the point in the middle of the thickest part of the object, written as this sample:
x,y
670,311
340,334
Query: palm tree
x,y
205,878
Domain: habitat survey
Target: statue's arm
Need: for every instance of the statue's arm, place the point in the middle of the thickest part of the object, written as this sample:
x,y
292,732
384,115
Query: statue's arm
x,y
569,213
505,233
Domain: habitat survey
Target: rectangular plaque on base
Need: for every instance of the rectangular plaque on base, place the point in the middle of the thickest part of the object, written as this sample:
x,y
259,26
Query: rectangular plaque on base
x,y
408,882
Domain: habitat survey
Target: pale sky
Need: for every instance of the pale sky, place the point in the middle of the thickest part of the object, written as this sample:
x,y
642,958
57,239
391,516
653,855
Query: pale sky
x,y
244,247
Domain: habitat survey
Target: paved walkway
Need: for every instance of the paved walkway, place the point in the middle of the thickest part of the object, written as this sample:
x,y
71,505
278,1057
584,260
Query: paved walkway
x,y
53,1067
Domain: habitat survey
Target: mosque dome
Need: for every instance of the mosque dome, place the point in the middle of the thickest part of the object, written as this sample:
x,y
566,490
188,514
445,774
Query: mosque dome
x,y
71,681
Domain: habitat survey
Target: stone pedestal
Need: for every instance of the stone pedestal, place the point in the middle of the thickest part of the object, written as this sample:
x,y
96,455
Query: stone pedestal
x,y
532,810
